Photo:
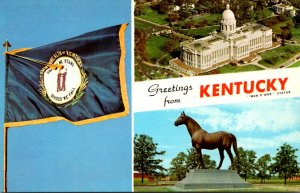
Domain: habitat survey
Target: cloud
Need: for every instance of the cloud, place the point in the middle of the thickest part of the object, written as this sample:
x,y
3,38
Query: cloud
x,y
167,162
257,143
274,142
167,146
274,116
181,146
293,137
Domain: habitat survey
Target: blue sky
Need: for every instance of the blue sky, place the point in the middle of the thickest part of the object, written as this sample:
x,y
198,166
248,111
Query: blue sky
x,y
59,156
260,126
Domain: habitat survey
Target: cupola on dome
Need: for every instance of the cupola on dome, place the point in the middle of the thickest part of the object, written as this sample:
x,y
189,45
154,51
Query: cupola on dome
x,y
228,14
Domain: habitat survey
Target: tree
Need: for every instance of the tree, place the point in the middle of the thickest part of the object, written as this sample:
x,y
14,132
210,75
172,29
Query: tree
x,y
193,161
164,6
189,24
138,9
172,17
183,162
246,165
184,14
261,14
263,167
203,23
261,4
296,20
159,175
180,2
286,34
170,45
140,40
145,151
285,162
178,167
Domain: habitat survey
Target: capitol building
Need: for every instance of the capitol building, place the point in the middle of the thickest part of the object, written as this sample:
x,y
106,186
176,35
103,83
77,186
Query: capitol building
x,y
230,44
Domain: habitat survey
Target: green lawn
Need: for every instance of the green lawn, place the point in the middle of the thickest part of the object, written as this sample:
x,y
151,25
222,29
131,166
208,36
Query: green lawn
x,y
256,188
271,185
230,69
296,33
154,189
274,181
138,182
297,64
213,19
277,28
143,25
154,47
200,31
267,11
144,72
152,15
147,27
277,56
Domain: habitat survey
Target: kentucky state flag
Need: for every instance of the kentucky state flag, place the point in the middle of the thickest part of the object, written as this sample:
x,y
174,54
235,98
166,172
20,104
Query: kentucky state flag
x,y
80,80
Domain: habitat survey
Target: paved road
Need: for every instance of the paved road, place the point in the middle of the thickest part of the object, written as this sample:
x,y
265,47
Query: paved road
x,y
152,23
158,61
291,61
255,63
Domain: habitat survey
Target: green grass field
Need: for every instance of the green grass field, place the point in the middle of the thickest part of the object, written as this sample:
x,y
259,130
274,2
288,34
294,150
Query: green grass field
x,y
200,31
154,47
271,185
297,64
138,182
274,181
212,19
277,56
154,189
296,33
152,15
143,25
231,69
147,27
256,188
145,72
267,11
277,28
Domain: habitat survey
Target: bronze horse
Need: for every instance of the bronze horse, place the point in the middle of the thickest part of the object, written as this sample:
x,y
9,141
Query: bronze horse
x,y
201,139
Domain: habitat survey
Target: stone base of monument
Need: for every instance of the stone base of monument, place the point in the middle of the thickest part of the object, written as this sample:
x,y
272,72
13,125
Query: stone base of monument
x,y
212,179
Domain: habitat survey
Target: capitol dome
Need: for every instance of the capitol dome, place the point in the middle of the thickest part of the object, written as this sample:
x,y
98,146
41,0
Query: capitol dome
x,y
228,14
228,22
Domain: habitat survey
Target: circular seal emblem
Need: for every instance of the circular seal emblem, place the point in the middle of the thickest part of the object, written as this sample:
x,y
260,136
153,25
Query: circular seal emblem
x,y
63,80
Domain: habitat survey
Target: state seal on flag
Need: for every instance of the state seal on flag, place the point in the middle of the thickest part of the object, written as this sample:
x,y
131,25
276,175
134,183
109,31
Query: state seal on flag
x,y
63,80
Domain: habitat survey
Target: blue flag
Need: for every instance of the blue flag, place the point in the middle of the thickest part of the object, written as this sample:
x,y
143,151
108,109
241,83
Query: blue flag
x,y
80,80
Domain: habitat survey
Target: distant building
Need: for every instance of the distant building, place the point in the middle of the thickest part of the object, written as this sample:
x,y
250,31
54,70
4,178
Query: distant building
x,y
176,8
295,177
231,43
284,8
189,6
138,175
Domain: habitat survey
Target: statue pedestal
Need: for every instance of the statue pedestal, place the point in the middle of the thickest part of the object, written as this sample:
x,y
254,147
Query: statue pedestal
x,y
212,179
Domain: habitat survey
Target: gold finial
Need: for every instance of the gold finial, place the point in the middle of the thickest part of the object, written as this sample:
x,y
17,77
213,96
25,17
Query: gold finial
x,y
6,44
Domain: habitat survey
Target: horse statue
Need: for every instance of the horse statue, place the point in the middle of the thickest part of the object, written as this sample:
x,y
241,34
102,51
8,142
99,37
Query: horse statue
x,y
201,139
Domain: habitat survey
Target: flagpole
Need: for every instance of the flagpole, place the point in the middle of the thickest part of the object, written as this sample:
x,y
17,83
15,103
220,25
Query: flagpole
x,y
5,159
6,44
